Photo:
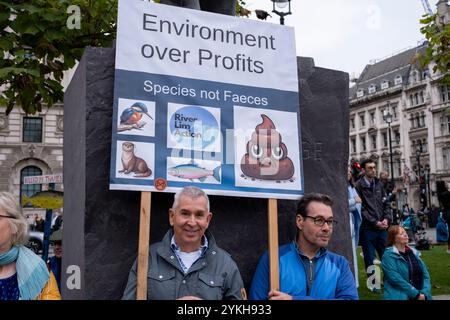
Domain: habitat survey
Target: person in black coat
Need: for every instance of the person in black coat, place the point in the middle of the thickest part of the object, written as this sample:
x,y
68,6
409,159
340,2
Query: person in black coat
x,y
376,214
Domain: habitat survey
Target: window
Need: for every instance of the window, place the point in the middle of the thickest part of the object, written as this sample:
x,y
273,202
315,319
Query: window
x,y
352,123
446,158
424,146
445,125
398,79
448,124
445,93
396,137
32,129
373,139
417,98
360,93
353,145
398,168
394,112
382,115
385,139
28,190
372,88
417,119
363,143
386,165
362,120
372,117
422,120
385,84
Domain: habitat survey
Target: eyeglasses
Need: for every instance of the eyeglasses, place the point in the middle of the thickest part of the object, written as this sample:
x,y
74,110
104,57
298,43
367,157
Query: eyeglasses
x,y
320,221
5,216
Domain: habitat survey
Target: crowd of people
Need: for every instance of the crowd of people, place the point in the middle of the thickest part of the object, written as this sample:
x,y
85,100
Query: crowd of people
x,y
188,263
373,227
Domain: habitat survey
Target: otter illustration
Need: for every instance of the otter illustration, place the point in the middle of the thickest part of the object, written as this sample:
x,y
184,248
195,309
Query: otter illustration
x,y
266,156
131,163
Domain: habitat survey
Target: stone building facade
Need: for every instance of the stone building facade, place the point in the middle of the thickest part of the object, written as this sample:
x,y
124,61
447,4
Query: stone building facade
x,y
30,145
420,128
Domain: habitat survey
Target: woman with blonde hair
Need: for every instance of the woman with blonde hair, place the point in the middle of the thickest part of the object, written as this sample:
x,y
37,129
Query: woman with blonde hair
x,y
405,275
23,274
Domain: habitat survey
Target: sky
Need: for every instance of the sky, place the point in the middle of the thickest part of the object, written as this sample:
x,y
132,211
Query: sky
x,y
347,34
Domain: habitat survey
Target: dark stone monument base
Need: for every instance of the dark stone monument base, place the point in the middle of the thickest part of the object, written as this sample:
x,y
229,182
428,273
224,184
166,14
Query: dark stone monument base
x,y
101,226
227,7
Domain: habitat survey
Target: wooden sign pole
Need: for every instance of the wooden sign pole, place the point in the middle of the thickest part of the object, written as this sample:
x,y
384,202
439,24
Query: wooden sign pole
x,y
144,241
273,245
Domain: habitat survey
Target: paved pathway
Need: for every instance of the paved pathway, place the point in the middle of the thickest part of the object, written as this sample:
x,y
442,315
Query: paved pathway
x,y
443,297
430,234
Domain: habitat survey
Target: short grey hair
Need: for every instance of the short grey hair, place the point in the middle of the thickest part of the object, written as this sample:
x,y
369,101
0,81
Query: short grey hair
x,y
191,192
19,224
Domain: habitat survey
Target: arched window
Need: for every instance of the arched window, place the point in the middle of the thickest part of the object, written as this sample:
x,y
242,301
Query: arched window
x,y
28,190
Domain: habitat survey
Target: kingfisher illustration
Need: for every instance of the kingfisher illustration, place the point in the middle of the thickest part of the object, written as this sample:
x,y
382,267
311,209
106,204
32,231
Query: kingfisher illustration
x,y
133,114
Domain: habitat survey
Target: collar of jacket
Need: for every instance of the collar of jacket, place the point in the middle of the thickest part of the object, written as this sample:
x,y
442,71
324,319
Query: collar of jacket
x,y
322,252
165,251
366,184
394,250
203,247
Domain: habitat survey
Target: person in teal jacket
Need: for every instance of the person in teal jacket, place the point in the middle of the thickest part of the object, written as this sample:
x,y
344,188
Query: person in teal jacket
x,y
405,275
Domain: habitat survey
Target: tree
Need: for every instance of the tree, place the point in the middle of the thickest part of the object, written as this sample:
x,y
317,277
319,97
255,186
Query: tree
x,y
241,10
438,36
40,39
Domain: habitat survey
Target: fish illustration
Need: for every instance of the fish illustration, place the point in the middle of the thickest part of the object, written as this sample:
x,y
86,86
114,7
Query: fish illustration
x,y
193,171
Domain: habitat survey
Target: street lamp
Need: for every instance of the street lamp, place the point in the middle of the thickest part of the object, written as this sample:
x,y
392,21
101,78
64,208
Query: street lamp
x,y
281,4
388,118
418,153
427,181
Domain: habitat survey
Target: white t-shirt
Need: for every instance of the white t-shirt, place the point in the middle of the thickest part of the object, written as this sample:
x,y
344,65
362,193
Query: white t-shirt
x,y
189,258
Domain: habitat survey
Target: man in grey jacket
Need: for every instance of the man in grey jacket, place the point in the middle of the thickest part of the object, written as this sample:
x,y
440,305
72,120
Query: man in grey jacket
x,y
187,263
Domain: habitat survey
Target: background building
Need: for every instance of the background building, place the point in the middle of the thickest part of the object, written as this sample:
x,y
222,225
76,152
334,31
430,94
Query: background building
x,y
29,146
419,104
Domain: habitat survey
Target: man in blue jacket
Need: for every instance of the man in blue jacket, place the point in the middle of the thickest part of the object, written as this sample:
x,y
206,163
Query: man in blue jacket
x,y
307,270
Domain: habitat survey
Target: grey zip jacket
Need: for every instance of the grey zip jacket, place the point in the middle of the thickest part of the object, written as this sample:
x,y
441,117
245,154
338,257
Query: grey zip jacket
x,y
214,276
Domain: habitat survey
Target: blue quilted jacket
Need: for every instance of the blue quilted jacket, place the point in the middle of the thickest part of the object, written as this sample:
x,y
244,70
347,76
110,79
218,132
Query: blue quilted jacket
x,y
331,276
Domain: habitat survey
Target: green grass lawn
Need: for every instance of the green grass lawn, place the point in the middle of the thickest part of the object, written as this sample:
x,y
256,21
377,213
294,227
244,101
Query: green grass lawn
x,y
438,262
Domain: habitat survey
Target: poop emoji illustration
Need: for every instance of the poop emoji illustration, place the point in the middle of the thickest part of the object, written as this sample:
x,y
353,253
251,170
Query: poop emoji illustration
x,y
266,156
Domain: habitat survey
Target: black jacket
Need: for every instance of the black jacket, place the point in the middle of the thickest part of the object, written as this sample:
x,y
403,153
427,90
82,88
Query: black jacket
x,y
375,208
